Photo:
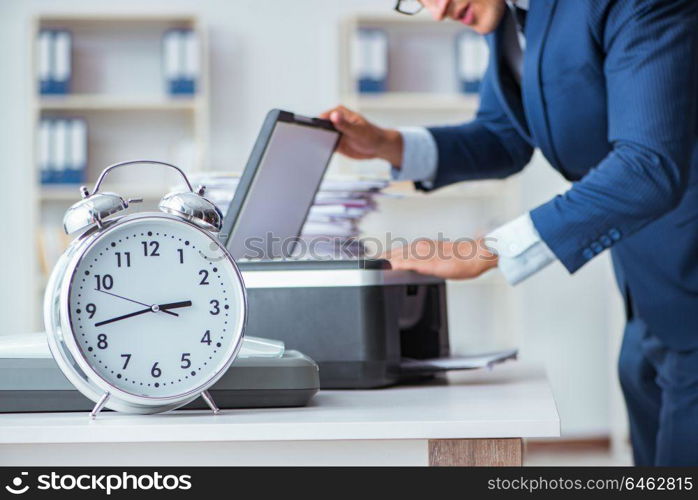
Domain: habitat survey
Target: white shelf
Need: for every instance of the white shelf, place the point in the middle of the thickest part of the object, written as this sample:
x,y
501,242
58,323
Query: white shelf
x,y
91,19
415,101
117,103
70,193
463,190
423,18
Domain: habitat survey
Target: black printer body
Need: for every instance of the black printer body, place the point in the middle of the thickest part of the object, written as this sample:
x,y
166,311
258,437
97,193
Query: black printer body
x,y
359,320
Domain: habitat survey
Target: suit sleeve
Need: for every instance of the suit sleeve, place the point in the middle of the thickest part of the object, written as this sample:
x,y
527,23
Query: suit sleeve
x,y
485,148
651,58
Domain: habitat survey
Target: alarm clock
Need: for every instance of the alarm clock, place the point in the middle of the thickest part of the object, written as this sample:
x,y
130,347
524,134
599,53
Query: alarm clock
x,y
145,311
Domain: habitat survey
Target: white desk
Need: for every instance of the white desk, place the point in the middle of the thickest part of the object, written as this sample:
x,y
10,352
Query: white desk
x,y
478,418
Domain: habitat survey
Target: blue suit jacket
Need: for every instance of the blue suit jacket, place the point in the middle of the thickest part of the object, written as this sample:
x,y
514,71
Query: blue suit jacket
x,y
609,94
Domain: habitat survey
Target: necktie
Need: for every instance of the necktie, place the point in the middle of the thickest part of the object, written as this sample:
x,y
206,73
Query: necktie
x,y
520,15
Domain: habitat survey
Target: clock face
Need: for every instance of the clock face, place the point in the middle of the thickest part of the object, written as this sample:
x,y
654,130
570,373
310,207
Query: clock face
x,y
156,307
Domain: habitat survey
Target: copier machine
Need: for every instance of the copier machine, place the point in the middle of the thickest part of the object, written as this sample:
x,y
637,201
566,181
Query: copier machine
x,y
365,324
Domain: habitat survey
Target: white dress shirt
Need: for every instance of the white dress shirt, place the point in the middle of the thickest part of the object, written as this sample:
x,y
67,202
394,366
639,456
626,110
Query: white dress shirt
x,y
521,250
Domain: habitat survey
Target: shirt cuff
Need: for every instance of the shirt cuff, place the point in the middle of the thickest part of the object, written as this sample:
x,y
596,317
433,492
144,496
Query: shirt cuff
x,y
520,248
420,156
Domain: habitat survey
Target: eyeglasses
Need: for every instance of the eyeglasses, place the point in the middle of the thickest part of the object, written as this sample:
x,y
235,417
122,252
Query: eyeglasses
x,y
409,7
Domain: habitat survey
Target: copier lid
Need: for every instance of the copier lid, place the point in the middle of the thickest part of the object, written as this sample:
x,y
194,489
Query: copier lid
x,y
278,186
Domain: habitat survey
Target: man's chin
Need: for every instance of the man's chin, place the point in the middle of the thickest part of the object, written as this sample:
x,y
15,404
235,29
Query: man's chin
x,y
483,29
486,21
484,26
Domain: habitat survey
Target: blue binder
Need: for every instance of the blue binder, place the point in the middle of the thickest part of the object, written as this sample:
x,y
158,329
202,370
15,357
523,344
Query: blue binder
x,y
55,62
180,61
63,151
471,61
372,60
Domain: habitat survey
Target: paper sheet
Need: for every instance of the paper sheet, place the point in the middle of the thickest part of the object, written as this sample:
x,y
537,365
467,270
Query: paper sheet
x,y
458,363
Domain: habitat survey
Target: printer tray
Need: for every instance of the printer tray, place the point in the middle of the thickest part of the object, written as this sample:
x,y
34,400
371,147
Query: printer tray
x,y
38,385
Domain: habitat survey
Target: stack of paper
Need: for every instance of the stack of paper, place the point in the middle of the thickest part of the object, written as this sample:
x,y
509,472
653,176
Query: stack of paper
x,y
340,204
220,187
332,226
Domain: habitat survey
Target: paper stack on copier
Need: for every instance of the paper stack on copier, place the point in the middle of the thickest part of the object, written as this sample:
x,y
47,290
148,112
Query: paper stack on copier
x,y
220,187
340,205
333,220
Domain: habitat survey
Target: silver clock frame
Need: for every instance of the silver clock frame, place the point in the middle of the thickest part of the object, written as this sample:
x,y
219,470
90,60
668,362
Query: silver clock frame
x,y
70,358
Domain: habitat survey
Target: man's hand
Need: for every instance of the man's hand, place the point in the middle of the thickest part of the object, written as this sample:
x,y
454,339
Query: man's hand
x,y
445,259
362,139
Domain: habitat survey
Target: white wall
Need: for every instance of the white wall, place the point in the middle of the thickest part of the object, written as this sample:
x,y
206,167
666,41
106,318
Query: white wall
x,y
16,289
275,53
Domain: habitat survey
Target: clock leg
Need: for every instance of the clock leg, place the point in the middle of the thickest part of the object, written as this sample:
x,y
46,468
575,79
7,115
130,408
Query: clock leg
x,y
209,401
100,404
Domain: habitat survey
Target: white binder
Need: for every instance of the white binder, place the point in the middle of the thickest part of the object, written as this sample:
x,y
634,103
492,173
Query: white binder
x,y
472,59
45,59
44,154
78,145
60,148
172,56
62,57
378,55
370,58
191,56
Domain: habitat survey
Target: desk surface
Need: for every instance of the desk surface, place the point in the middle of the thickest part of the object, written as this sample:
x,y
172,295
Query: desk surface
x,y
513,400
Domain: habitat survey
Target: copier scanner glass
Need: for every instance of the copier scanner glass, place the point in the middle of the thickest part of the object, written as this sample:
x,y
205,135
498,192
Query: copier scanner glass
x,y
278,186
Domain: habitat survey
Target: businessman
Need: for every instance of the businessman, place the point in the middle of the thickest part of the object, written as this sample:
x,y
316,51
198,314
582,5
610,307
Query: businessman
x,y
608,91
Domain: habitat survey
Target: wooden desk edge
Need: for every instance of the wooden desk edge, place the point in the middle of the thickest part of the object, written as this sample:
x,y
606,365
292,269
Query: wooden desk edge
x,y
476,452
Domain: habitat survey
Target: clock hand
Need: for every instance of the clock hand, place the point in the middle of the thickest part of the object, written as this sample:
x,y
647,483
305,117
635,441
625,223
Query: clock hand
x,y
119,318
134,301
162,307
174,305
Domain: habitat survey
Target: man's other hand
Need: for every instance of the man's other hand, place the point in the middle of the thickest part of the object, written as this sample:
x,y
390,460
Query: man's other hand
x,y
465,259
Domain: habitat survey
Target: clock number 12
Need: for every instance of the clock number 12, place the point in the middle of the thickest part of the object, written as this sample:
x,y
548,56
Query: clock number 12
x,y
154,247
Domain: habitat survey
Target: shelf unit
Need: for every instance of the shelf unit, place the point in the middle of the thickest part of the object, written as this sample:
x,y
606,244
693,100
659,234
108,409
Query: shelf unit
x,y
119,89
426,80
107,94
88,102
